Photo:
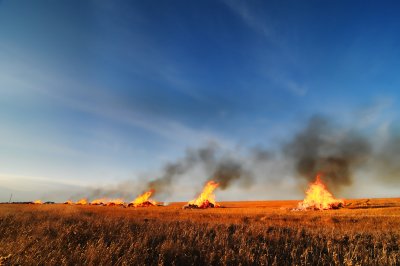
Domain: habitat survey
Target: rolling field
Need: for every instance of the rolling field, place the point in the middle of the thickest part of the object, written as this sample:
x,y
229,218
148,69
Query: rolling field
x,y
365,232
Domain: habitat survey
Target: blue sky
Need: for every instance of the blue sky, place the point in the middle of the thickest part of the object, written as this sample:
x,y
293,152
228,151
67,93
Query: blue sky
x,y
99,92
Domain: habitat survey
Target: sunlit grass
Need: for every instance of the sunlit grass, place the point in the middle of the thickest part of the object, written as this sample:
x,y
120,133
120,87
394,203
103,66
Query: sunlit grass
x,y
255,233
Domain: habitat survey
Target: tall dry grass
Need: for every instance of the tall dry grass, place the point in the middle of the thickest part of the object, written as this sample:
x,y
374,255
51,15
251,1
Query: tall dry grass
x,y
90,235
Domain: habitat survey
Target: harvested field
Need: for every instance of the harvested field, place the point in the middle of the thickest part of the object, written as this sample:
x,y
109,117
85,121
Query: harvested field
x,y
365,232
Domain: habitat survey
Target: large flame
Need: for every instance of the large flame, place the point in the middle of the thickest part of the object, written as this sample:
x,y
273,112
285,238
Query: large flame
x,y
37,202
144,200
318,197
206,198
82,202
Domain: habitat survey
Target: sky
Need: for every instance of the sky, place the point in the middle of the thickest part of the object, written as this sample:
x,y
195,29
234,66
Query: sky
x,y
100,94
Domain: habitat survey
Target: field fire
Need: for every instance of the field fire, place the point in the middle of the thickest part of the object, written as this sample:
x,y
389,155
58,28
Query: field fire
x,y
177,132
206,198
108,202
261,232
143,200
319,198
83,201
69,202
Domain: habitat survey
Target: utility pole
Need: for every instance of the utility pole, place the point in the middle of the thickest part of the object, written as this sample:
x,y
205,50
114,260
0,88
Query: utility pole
x,y
10,198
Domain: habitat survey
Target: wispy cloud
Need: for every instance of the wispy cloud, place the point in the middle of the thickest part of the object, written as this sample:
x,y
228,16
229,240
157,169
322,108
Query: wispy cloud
x,y
242,9
289,84
370,114
260,25
173,76
53,86
143,56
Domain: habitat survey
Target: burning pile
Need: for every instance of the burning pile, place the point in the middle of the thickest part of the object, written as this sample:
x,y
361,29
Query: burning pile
x,y
206,198
101,201
82,202
319,198
115,202
108,202
143,200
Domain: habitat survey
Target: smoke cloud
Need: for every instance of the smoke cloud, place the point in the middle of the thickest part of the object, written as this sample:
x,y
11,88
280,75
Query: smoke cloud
x,y
204,156
223,166
228,171
322,147
385,163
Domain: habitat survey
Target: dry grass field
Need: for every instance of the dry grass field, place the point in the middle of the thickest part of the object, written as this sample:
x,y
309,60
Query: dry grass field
x,y
365,232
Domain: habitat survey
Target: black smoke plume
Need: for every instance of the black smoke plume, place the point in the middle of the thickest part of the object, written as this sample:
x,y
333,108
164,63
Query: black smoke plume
x,y
222,166
193,157
228,171
321,146
325,148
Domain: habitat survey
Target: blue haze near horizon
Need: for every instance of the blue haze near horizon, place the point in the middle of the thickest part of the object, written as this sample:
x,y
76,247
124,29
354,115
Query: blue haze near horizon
x,y
99,92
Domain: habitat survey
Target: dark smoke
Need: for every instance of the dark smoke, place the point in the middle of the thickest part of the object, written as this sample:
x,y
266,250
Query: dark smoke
x,y
260,155
222,166
321,146
204,156
229,171
325,148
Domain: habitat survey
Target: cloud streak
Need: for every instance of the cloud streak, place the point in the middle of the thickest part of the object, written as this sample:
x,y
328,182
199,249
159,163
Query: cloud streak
x,y
242,10
260,25
73,95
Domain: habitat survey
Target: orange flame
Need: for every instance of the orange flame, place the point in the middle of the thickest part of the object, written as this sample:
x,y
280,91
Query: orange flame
x,y
37,202
144,200
318,197
113,202
82,202
99,201
107,202
206,198
69,202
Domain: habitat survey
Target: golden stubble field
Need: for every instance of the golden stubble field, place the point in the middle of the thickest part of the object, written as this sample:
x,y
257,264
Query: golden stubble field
x,y
365,232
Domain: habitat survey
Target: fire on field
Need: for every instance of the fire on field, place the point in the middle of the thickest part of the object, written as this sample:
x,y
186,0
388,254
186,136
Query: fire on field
x,y
142,200
318,197
206,198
